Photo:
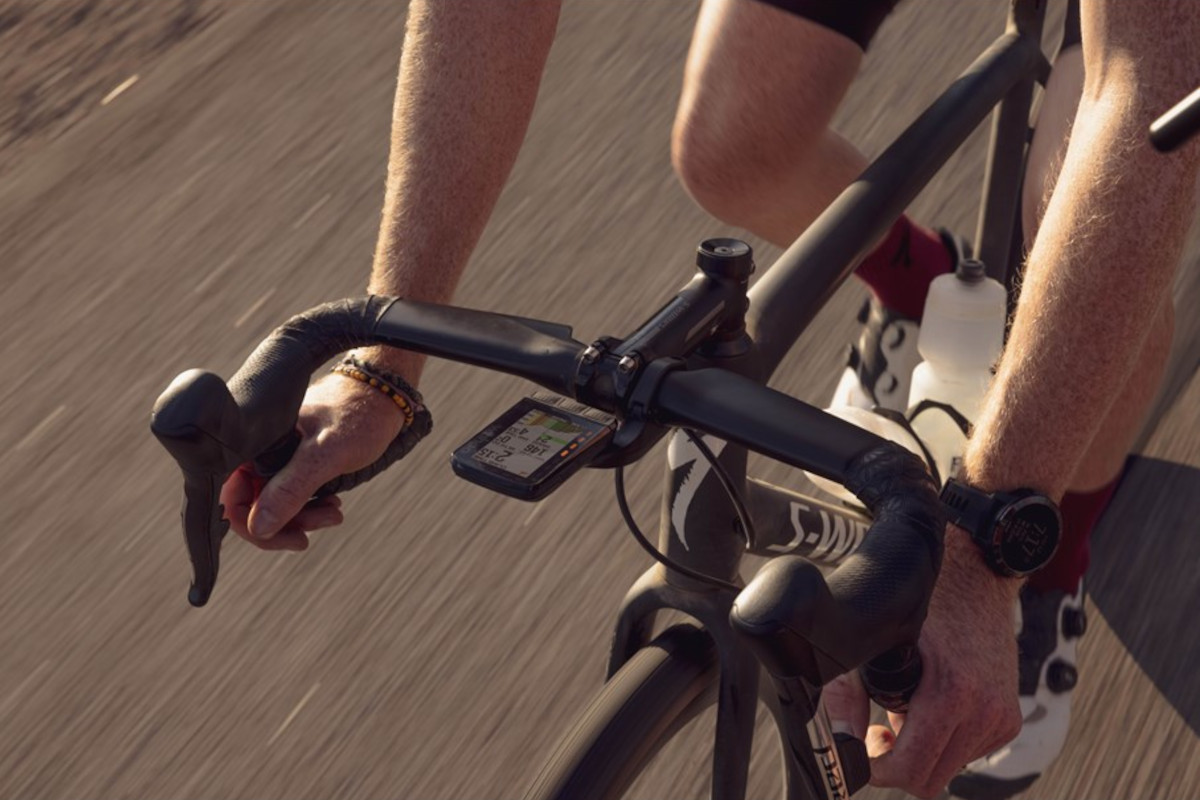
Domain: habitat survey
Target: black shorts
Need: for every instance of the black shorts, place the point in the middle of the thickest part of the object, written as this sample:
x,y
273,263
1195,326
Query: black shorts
x,y
856,19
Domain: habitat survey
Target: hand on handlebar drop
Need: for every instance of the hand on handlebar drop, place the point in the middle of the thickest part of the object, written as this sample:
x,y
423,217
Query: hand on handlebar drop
x,y
966,705
344,426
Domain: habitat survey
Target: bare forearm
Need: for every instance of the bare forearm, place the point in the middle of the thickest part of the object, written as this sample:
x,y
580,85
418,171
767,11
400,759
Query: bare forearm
x,y
1095,282
469,77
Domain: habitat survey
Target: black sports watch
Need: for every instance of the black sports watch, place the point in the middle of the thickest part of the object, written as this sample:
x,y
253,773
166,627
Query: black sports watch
x,y
1018,532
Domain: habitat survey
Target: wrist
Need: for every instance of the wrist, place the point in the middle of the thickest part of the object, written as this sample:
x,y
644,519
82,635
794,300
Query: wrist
x,y
398,390
964,567
987,473
404,363
1015,532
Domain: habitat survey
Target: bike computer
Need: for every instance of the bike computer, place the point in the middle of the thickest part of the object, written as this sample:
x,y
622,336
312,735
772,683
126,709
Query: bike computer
x,y
534,446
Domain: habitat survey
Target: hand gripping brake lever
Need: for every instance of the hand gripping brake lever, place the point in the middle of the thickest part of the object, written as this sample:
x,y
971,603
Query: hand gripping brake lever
x,y
211,428
192,420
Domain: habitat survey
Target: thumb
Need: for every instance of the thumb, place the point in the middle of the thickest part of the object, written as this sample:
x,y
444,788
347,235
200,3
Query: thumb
x,y
847,704
286,493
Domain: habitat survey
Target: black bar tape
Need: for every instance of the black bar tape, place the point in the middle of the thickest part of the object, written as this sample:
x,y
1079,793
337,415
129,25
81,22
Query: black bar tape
x,y
270,386
896,488
211,427
900,494
799,623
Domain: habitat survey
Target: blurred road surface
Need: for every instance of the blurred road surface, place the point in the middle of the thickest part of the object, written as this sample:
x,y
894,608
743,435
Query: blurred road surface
x,y
437,644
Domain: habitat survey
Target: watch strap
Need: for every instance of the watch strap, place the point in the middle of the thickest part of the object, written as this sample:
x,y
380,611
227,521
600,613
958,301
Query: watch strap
x,y
975,511
970,509
986,519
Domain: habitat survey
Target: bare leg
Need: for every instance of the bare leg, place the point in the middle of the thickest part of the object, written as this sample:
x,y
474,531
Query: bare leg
x,y
752,144
752,141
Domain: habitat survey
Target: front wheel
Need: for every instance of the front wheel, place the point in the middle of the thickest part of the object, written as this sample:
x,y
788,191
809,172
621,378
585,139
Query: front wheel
x,y
648,699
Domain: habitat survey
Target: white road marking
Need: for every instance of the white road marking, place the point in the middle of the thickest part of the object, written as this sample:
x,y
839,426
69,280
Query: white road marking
x,y
108,98
303,701
308,214
40,428
252,309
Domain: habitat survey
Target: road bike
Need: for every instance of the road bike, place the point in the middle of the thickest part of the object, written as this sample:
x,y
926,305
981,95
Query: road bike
x,y
695,371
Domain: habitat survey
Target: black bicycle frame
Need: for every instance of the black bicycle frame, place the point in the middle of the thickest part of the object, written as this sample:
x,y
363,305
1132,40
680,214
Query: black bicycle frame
x,y
698,523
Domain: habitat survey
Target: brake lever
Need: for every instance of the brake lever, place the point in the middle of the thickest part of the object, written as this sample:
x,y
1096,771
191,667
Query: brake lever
x,y
194,419
204,528
276,457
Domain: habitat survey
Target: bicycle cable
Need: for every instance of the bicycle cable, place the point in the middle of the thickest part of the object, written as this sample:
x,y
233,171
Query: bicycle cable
x,y
734,496
726,482
655,553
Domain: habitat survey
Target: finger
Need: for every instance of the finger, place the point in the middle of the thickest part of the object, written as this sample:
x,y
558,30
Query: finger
x,y
925,734
879,740
314,517
291,537
896,721
326,501
847,704
961,749
237,496
289,490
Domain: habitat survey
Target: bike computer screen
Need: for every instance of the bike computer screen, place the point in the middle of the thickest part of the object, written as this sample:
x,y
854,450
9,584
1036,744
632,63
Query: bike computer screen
x,y
534,446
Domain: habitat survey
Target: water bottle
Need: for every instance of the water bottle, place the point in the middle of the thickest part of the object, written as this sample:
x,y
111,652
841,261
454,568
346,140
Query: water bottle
x,y
961,338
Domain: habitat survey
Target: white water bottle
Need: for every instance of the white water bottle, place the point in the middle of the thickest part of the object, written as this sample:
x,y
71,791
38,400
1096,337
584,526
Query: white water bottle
x,y
962,336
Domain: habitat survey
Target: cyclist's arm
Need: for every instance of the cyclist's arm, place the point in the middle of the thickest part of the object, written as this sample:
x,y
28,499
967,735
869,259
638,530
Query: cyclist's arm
x,y
1101,269
469,77
1096,280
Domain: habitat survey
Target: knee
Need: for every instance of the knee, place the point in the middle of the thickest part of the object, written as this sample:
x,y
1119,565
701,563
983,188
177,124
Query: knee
x,y
728,167
712,166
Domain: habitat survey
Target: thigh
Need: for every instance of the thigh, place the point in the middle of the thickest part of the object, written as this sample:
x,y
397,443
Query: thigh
x,y
764,76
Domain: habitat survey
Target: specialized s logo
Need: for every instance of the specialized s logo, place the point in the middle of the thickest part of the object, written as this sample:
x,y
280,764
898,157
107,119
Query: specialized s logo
x,y
689,468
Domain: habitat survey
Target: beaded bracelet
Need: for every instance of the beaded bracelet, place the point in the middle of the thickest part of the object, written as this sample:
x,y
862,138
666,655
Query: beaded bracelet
x,y
418,423
399,390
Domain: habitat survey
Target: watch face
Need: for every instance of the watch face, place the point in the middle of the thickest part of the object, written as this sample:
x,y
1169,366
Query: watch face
x,y
1027,534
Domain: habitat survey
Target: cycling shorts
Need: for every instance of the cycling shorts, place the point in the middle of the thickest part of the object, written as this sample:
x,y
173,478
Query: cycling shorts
x,y
855,19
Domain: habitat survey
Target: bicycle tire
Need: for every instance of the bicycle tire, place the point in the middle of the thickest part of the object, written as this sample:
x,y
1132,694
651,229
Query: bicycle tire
x,y
649,698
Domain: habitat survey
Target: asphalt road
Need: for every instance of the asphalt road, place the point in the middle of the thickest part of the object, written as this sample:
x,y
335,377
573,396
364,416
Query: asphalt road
x,y
437,644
